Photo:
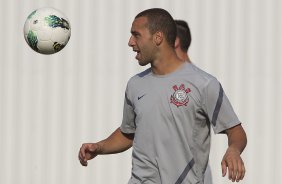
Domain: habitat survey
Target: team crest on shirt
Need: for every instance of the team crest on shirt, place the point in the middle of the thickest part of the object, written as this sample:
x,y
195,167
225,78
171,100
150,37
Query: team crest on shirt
x,y
180,95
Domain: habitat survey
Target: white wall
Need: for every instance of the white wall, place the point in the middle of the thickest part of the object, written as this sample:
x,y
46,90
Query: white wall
x,y
50,105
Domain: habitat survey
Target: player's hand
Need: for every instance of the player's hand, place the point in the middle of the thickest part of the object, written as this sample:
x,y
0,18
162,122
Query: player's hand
x,y
233,161
87,152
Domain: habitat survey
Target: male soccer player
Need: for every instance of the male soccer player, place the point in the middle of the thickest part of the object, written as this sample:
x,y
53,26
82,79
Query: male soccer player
x,y
168,111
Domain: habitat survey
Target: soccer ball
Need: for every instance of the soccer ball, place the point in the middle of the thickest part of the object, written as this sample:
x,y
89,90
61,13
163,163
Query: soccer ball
x,y
47,30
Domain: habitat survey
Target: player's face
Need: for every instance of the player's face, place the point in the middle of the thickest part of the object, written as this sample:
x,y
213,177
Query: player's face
x,y
141,41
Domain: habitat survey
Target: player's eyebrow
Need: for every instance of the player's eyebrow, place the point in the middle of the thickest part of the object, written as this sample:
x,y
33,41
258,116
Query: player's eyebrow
x,y
134,32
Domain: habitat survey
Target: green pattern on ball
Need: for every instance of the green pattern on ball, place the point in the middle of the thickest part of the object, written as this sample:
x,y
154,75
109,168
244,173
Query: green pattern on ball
x,y
57,46
30,16
32,40
54,21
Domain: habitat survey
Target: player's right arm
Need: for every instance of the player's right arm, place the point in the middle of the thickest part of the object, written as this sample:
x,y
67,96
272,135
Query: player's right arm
x,y
117,142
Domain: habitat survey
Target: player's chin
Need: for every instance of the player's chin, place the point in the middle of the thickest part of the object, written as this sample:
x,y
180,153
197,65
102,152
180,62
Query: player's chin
x,y
142,62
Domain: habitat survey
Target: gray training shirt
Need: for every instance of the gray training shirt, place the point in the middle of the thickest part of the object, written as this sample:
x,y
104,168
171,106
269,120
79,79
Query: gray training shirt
x,y
170,116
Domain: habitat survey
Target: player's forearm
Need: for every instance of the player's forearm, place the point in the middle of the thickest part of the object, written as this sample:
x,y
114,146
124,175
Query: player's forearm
x,y
117,142
237,139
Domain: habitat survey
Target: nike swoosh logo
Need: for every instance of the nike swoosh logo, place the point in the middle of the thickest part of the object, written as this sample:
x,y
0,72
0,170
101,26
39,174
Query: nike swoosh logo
x,y
139,97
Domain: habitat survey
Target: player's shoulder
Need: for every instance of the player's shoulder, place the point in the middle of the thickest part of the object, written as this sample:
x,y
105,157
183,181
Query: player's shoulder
x,y
198,75
140,75
200,72
138,79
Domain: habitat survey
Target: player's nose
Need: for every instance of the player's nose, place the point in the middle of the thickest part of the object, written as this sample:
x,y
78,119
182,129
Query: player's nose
x,y
131,42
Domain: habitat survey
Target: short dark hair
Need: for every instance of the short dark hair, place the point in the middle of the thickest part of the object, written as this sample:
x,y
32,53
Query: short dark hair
x,y
184,34
160,20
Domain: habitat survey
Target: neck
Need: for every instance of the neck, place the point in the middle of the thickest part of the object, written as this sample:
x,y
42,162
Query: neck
x,y
187,59
182,55
166,63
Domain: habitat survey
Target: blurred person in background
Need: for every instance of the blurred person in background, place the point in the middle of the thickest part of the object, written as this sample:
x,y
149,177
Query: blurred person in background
x,y
182,44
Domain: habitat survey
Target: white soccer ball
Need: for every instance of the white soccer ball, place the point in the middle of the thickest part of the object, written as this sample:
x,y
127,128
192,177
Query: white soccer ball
x,y
47,30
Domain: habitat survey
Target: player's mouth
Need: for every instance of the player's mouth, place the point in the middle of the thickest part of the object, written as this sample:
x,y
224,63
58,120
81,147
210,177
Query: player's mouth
x,y
138,54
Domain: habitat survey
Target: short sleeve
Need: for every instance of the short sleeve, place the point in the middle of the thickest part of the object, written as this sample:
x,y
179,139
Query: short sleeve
x,y
218,108
128,125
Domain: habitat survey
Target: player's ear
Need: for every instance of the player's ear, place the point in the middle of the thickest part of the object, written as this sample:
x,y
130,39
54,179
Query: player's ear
x,y
177,43
158,38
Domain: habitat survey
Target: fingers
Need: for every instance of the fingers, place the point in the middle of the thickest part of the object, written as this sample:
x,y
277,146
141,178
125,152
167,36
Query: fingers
x,y
232,170
82,154
241,171
81,157
224,168
87,152
82,151
236,169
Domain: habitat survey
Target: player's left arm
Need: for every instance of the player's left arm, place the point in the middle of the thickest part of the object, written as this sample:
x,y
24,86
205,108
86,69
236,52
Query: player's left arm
x,y
232,161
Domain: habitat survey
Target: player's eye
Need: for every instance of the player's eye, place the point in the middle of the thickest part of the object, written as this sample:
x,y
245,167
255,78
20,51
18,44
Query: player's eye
x,y
135,34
